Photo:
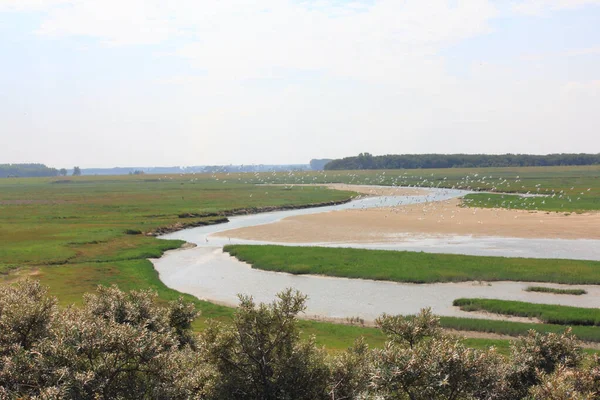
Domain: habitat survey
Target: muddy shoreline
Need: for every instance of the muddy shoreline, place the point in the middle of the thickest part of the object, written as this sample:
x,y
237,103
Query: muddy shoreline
x,y
222,217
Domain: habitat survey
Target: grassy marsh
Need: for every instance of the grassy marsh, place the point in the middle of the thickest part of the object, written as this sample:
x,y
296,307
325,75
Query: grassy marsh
x,y
71,232
543,289
415,267
547,313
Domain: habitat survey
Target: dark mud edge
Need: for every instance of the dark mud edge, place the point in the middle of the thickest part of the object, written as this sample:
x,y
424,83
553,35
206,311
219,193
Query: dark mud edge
x,y
222,217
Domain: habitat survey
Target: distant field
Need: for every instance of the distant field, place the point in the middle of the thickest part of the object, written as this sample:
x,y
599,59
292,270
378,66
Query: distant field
x,y
416,267
547,313
70,232
572,181
578,202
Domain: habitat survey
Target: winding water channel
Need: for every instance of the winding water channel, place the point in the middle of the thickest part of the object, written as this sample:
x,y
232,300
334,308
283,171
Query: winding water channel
x,y
208,273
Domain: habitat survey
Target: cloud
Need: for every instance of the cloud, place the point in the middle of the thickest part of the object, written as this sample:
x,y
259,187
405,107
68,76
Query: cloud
x,y
289,80
29,5
115,23
583,87
384,40
538,7
238,39
575,52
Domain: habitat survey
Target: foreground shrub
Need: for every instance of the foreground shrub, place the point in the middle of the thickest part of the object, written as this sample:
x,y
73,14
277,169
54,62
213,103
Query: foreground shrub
x,y
419,362
537,355
127,346
350,373
568,384
117,346
261,356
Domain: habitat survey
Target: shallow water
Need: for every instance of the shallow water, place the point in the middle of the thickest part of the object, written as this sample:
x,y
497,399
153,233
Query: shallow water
x,y
210,274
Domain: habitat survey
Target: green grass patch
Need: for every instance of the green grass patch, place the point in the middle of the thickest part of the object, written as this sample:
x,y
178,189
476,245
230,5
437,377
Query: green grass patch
x,y
543,289
416,267
512,328
572,183
72,233
93,223
547,313
577,202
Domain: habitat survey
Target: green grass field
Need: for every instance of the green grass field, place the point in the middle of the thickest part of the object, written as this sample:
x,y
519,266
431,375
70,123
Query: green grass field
x,y
569,184
513,328
70,233
543,289
415,267
580,203
547,313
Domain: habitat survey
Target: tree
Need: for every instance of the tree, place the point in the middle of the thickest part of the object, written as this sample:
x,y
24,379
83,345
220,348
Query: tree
x,y
261,357
120,345
117,346
350,372
26,170
420,363
536,355
569,384
319,164
62,172
409,329
76,171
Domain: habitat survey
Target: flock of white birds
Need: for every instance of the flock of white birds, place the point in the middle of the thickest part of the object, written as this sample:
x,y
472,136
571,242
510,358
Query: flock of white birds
x,y
512,191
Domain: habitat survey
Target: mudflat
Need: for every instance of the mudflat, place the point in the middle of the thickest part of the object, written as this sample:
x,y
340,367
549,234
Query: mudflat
x,y
380,225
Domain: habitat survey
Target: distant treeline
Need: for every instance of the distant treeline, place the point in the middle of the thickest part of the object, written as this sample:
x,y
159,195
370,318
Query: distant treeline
x,y
26,170
197,169
412,161
319,164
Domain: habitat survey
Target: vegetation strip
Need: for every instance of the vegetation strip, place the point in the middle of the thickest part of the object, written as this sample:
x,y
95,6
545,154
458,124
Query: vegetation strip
x,y
261,354
415,267
553,202
548,313
543,289
70,232
427,161
578,185
512,328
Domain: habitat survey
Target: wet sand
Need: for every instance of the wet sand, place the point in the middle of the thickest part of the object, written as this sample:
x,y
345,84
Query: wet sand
x,y
383,225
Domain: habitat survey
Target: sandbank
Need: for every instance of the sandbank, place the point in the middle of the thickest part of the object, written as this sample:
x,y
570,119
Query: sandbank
x,y
370,190
382,225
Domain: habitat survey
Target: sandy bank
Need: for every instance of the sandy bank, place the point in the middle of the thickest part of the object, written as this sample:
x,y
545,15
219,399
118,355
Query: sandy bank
x,y
381,225
370,190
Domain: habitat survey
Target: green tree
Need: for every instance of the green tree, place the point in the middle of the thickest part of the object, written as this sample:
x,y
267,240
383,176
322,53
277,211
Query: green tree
x,y
420,363
536,355
76,171
63,172
117,346
261,357
410,329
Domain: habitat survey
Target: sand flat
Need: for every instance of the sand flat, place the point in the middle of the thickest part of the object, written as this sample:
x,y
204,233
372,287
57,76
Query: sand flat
x,y
380,225
370,190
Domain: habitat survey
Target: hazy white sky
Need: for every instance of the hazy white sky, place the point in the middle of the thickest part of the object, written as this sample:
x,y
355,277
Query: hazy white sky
x,y
192,82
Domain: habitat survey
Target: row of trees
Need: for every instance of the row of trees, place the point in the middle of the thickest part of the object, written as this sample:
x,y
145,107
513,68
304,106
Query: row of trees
x,y
319,164
33,170
26,170
126,346
412,161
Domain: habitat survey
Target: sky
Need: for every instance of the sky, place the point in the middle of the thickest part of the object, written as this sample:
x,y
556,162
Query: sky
x,y
215,82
